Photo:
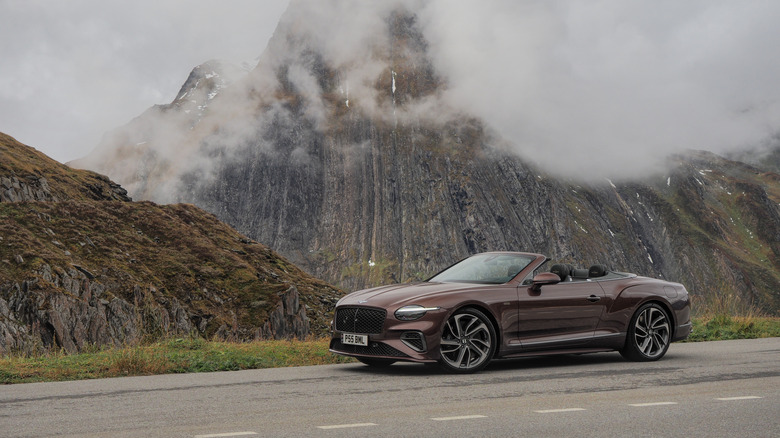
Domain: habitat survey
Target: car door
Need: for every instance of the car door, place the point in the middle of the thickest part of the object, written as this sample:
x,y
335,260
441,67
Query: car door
x,y
559,315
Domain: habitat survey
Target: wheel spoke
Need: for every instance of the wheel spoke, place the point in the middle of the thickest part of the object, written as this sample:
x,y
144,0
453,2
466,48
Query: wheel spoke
x,y
646,343
659,345
467,324
480,328
656,322
448,328
461,354
481,343
449,346
660,323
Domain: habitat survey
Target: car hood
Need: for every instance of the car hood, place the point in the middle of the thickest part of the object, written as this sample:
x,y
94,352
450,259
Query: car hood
x,y
401,294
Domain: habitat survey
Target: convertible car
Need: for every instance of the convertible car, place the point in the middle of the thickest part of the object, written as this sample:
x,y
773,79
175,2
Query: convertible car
x,y
502,305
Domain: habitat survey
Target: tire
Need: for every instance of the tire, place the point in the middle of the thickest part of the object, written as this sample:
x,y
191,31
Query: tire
x,y
468,342
376,362
649,334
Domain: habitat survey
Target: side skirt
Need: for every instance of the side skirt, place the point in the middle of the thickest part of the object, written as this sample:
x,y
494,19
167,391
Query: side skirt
x,y
557,352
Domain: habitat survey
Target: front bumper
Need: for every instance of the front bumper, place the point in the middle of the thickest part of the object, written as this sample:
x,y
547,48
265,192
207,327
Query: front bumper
x,y
414,341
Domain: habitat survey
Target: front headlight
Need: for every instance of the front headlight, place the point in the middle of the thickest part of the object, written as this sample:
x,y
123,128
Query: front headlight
x,y
410,313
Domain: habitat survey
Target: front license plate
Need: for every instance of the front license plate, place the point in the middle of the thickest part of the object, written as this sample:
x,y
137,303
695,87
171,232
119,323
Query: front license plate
x,y
349,338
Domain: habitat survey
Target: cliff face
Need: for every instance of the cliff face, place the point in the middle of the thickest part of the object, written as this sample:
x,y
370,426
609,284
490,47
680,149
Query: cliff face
x,y
83,268
362,174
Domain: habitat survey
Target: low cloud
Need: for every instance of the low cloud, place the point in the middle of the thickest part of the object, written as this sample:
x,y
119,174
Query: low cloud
x,y
584,89
74,70
610,88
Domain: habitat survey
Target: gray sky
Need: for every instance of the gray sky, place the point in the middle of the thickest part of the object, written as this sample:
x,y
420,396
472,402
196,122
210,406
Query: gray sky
x,y
72,70
604,86
610,87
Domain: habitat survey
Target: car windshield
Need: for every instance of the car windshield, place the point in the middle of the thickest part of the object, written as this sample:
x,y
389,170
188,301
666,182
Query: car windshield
x,y
484,269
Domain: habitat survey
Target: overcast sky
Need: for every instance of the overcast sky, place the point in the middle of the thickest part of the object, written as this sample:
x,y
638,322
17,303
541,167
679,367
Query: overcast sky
x,y
611,87
576,85
72,70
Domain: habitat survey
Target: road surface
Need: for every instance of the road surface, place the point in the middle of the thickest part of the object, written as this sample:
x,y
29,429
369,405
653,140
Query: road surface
x,y
711,389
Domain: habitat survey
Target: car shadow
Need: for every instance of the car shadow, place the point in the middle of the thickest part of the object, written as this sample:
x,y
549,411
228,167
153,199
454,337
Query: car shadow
x,y
496,366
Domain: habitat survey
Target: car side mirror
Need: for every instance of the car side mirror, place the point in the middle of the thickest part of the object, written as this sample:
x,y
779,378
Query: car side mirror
x,y
544,278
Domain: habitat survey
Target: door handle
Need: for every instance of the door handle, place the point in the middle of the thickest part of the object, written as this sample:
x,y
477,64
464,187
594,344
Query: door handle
x,y
593,298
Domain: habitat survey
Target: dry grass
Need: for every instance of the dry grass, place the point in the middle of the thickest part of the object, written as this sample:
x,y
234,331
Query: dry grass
x,y
718,304
172,356
729,316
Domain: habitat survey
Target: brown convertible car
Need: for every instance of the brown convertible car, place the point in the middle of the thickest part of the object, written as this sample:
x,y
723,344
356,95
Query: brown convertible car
x,y
500,305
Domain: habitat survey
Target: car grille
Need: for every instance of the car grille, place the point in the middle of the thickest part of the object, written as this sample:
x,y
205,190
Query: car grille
x,y
360,320
373,349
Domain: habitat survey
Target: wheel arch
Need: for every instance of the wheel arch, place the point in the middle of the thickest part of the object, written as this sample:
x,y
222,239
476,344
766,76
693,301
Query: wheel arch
x,y
636,296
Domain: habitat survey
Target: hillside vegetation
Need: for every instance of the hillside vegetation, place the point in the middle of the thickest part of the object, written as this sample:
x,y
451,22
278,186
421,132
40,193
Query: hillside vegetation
x,y
79,270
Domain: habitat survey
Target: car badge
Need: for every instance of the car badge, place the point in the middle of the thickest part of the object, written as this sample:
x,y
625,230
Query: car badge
x,y
362,301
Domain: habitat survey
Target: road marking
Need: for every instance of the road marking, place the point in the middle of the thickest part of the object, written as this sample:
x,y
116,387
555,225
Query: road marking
x,y
554,411
345,426
642,405
217,435
747,397
462,417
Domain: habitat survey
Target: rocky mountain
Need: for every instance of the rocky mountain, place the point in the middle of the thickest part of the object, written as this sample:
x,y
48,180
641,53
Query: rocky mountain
x,y
362,174
82,265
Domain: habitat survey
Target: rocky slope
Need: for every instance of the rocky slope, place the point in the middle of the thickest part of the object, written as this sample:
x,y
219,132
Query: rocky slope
x,y
28,175
88,267
361,174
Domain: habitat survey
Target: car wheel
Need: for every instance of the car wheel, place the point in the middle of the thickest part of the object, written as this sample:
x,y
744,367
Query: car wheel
x,y
376,362
468,341
648,334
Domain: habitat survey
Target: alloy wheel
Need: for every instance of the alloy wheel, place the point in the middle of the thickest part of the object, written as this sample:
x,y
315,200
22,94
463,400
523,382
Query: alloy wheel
x,y
649,334
467,342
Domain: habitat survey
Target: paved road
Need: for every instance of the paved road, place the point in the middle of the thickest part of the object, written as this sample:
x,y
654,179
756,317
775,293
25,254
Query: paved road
x,y
728,388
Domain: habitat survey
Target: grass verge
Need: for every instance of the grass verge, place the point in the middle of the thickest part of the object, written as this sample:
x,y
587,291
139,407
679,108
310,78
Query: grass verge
x,y
173,356
197,355
725,327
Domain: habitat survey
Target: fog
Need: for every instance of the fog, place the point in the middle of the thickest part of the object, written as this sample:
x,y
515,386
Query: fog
x,y
612,87
586,89
72,70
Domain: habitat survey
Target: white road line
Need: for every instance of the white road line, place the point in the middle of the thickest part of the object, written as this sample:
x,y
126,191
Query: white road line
x,y
642,405
462,417
554,411
345,426
217,435
746,397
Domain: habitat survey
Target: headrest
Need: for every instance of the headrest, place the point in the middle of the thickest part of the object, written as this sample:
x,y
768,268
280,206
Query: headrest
x,y
597,271
560,270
